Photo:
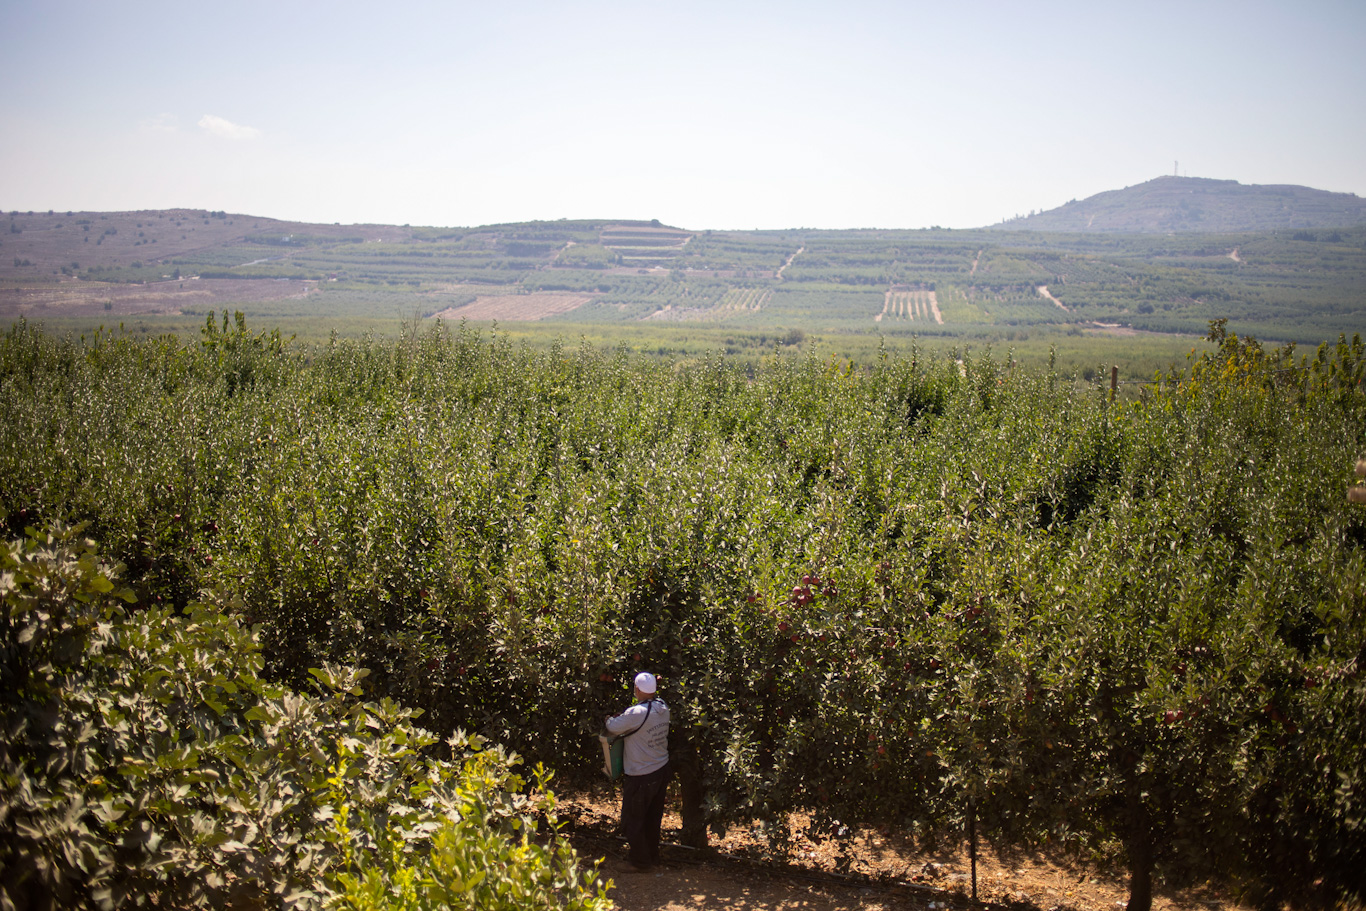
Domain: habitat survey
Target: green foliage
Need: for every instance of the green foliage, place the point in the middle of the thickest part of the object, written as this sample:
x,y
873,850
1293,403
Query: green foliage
x,y
482,854
587,256
145,758
879,594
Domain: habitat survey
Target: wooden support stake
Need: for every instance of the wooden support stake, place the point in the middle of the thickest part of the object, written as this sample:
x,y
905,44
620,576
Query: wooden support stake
x,y
1114,381
972,844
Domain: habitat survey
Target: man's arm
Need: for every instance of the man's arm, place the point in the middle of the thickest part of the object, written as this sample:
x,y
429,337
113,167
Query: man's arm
x,y
624,723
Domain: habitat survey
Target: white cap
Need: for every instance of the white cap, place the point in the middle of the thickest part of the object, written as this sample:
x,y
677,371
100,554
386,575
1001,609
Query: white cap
x,y
645,682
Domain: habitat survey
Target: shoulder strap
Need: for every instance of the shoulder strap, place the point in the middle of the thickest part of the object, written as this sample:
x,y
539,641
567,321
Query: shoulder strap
x,y
649,705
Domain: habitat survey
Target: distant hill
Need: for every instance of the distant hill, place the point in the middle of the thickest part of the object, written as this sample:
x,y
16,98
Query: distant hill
x,y
1174,205
79,270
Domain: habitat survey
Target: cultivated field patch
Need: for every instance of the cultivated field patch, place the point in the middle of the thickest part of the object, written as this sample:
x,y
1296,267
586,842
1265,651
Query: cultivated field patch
x,y
743,300
733,303
912,306
957,306
517,307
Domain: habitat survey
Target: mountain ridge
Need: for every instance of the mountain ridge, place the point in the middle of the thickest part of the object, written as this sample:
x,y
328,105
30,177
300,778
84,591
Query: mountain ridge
x,y
1197,205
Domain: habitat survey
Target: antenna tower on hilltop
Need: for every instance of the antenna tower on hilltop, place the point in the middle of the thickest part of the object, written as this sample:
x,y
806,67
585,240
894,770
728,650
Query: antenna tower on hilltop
x,y
1176,169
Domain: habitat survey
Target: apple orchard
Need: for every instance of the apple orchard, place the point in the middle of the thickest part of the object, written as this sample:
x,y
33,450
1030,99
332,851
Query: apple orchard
x,y
898,593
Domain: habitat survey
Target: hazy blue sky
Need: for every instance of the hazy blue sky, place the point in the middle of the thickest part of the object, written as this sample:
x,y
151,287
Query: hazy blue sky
x,y
700,114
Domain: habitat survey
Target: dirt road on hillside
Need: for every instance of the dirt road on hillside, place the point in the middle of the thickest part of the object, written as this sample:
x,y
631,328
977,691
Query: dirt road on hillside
x,y
1043,292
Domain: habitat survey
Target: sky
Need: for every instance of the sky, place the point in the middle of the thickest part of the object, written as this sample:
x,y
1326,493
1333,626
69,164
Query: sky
x,y
723,115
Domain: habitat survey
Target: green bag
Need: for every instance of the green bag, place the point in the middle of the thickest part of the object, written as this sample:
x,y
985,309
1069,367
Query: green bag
x,y
613,749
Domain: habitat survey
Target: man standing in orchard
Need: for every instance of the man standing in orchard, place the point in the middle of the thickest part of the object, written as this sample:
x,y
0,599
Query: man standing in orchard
x,y
645,762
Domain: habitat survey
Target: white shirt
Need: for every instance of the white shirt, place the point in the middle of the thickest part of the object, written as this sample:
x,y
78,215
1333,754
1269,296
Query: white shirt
x,y
647,750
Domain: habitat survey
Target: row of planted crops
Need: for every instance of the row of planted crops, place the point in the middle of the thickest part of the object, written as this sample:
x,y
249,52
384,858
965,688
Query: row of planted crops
x,y
910,593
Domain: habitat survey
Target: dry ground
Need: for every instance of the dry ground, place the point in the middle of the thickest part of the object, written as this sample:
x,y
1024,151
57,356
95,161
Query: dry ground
x,y
887,873
74,298
516,307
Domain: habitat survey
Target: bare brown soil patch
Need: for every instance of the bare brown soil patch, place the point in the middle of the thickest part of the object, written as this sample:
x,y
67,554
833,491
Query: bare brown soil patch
x,y
86,299
516,307
885,871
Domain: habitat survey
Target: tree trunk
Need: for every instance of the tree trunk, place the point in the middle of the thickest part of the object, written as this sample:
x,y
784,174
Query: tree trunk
x,y
691,793
1139,845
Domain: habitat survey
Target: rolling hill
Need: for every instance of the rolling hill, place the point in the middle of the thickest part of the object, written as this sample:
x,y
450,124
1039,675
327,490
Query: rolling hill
x,y
1130,270
1167,205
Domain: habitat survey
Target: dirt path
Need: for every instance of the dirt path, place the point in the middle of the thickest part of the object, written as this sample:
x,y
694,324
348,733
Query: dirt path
x,y
977,259
783,267
1234,256
1043,292
683,886
934,308
887,872
558,253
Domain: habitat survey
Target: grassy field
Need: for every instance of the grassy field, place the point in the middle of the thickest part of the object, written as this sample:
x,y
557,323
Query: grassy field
x,y
1084,354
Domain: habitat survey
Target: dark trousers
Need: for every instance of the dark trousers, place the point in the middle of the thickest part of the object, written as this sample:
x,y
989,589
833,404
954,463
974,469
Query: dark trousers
x,y
642,813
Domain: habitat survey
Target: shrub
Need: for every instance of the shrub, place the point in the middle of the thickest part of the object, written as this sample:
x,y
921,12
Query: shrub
x,y
145,758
